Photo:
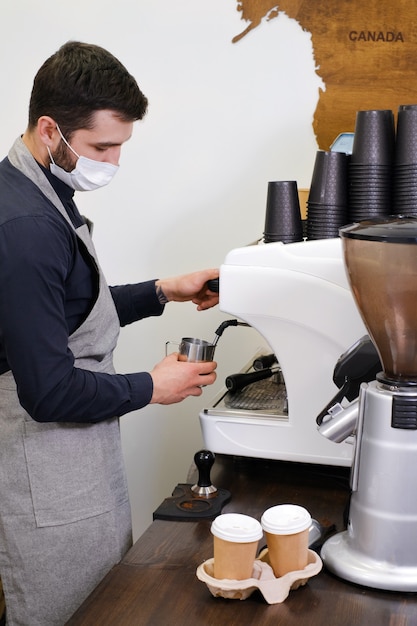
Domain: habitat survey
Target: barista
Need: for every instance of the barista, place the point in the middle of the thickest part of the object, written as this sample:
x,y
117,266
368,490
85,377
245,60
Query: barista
x,y
64,514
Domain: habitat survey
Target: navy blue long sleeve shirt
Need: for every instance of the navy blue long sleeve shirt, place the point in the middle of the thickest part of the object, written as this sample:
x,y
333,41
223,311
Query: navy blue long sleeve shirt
x,y
48,286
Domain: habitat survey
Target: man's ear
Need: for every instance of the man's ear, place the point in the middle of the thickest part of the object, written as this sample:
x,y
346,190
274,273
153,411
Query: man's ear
x,y
48,132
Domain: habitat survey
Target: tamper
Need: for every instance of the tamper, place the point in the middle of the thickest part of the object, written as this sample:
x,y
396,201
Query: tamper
x,y
191,502
204,460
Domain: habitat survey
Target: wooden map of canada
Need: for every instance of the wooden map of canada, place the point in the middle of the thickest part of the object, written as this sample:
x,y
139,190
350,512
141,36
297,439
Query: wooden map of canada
x,y
365,52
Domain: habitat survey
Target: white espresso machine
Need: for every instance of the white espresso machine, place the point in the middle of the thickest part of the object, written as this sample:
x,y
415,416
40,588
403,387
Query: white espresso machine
x,y
297,296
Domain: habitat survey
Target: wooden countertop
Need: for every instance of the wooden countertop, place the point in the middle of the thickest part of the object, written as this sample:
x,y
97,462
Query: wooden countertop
x,y
156,583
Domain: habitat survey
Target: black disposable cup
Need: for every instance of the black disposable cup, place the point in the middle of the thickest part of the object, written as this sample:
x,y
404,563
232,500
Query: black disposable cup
x,y
283,216
370,205
325,223
326,212
367,190
325,231
322,235
374,137
406,142
380,195
366,214
408,175
283,238
362,171
329,182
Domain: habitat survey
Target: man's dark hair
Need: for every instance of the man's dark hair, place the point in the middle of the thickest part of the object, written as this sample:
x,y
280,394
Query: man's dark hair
x,y
80,79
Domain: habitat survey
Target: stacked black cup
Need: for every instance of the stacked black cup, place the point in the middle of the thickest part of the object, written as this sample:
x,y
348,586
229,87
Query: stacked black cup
x,y
327,205
405,168
283,217
371,165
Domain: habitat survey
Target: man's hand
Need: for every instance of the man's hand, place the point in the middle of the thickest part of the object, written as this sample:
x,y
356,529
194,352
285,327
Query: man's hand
x,y
174,380
191,287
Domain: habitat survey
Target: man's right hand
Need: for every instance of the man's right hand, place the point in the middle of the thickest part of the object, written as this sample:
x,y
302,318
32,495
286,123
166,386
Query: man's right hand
x,y
174,380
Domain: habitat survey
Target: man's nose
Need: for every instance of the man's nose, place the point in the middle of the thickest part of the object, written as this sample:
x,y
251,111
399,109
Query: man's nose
x,y
112,155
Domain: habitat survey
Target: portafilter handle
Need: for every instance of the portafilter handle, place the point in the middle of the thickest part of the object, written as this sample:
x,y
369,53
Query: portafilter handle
x,y
204,460
235,382
213,285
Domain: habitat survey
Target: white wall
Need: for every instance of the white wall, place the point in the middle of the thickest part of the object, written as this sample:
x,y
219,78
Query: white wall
x,y
223,120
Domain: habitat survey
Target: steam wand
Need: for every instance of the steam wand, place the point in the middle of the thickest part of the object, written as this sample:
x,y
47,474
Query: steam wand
x,y
213,285
219,332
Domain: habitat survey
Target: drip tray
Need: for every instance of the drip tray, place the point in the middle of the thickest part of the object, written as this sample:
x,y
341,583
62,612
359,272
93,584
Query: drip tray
x,y
264,395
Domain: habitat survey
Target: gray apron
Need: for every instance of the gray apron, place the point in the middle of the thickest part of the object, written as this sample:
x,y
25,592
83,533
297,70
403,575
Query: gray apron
x,y
64,509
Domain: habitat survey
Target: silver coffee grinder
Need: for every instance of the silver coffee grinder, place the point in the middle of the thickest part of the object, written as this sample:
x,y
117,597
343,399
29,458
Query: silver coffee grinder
x,y
379,547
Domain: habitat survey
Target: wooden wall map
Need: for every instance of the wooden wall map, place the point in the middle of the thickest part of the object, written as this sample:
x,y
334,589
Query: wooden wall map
x,y
365,52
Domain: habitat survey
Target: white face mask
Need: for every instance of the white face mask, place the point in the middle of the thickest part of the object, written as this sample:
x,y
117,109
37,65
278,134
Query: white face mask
x,y
87,174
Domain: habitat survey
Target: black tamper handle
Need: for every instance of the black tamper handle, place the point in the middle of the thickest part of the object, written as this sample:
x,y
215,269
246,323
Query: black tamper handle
x,y
204,460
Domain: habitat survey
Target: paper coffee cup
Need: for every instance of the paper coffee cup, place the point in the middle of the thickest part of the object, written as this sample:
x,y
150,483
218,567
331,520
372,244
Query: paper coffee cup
x,y
235,540
286,528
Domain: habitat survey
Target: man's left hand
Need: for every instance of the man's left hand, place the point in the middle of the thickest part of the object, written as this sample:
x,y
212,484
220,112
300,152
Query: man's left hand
x,y
191,287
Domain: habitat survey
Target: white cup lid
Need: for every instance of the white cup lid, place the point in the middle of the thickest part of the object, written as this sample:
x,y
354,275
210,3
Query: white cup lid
x,y
236,528
285,519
